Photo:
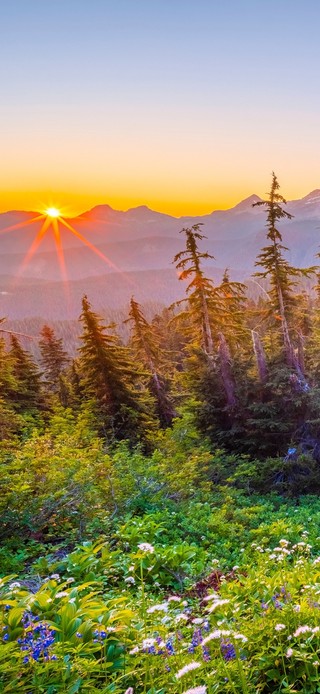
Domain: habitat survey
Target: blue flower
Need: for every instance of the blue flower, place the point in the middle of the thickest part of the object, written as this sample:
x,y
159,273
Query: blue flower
x,y
206,654
169,647
228,650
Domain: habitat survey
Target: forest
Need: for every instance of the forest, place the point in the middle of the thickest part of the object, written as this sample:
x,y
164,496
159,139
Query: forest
x,y
159,498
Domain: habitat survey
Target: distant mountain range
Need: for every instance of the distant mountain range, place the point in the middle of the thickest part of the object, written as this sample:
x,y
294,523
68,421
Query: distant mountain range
x,y
140,245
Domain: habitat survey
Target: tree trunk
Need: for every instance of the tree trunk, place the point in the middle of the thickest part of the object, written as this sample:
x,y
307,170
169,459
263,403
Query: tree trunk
x,y
225,365
260,356
206,328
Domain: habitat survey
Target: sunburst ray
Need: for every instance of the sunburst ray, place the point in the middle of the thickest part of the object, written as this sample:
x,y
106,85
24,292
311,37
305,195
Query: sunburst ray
x,y
90,245
35,244
59,249
22,224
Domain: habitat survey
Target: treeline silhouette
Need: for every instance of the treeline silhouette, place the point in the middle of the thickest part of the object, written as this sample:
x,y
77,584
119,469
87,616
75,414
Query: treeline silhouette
x,y
244,366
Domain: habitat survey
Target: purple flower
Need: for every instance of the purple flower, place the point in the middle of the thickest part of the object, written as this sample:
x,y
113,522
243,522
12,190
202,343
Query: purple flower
x,y
228,650
206,654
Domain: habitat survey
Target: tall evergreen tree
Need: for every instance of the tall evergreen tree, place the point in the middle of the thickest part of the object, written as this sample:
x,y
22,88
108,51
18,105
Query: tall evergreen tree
x,y
9,421
281,275
53,358
213,311
108,378
27,392
200,290
146,348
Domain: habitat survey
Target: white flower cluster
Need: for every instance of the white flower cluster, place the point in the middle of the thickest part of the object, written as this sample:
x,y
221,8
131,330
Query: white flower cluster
x,y
162,607
146,547
304,629
187,668
217,603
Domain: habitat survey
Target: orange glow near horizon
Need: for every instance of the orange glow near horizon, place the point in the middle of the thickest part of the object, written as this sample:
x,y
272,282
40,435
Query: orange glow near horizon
x,y
186,202
51,220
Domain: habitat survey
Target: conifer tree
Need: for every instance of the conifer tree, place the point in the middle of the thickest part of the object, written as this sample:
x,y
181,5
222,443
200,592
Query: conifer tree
x,y
9,421
281,275
108,378
53,358
214,311
146,348
27,392
200,290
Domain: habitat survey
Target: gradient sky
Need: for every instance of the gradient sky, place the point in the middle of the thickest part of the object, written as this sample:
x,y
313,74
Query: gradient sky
x,y
183,105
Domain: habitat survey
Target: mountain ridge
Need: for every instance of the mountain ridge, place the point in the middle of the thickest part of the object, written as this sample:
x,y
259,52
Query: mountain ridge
x,y
140,241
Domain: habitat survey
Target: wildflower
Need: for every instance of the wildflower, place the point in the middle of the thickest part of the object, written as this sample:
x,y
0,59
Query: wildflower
x,y
276,602
289,652
240,637
78,635
129,690
146,547
297,608
134,650
181,617
187,668
205,654
279,627
228,650
197,690
169,647
317,561
55,577
215,635
14,585
302,630
211,596
174,598
316,663
197,620
158,608
129,579
216,604
283,543
70,580
62,594
315,630
148,643
196,638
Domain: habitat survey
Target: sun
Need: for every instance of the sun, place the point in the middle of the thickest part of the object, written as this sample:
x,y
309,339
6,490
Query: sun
x,y
52,220
52,212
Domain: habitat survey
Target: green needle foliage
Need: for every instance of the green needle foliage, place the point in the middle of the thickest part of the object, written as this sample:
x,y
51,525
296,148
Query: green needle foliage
x,y
110,379
281,275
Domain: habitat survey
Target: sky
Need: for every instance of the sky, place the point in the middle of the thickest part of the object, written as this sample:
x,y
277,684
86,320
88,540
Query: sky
x,y
182,105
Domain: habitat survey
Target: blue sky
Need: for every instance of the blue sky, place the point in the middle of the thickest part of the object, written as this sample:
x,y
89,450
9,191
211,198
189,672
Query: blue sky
x,y
157,101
